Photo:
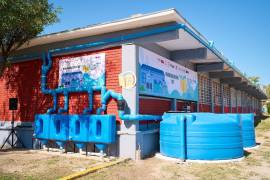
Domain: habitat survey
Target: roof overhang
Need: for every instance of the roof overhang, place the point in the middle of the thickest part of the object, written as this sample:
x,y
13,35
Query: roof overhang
x,y
184,41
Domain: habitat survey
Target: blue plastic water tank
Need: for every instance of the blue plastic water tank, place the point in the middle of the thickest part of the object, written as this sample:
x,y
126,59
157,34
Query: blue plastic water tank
x,y
41,127
59,129
78,129
213,137
102,129
248,130
201,136
172,135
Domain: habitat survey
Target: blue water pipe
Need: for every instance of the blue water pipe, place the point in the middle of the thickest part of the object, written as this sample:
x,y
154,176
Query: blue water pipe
x,y
54,108
121,113
183,136
66,103
105,96
89,109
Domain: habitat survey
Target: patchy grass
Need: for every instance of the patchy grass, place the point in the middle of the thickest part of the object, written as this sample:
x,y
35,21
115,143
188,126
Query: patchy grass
x,y
256,165
263,126
39,165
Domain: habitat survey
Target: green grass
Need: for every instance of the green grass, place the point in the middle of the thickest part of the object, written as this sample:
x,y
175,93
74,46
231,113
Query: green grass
x,y
264,125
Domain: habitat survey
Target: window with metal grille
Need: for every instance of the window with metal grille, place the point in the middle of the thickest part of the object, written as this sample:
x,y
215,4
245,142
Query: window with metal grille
x,y
216,93
243,99
239,99
226,96
233,97
204,90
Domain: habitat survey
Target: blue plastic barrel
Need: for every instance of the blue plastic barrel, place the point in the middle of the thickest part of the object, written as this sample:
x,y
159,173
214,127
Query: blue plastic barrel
x,y
248,130
214,137
172,137
78,129
201,136
102,129
59,129
41,127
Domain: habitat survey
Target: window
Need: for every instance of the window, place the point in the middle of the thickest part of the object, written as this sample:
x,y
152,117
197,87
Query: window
x,y
204,90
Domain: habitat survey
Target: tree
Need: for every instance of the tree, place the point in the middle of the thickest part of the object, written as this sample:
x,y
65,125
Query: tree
x,y
266,89
20,21
254,79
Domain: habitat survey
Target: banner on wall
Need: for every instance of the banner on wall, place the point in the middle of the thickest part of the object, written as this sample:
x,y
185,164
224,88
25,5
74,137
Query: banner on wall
x,y
82,72
164,78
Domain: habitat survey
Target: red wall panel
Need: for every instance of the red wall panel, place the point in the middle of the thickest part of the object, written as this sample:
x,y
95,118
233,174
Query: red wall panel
x,y
153,106
204,108
239,109
217,109
227,109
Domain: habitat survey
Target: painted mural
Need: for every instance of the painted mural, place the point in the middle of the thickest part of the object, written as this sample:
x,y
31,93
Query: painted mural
x,y
82,72
162,77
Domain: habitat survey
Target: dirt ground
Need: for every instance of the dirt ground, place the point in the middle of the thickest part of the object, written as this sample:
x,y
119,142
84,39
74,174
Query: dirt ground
x,y
53,165
255,165
40,165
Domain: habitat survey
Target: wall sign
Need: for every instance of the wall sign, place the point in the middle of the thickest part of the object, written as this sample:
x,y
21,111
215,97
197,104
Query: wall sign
x,y
127,79
162,77
84,71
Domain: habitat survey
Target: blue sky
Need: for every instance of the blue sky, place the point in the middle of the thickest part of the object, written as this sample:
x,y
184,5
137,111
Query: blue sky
x,y
239,28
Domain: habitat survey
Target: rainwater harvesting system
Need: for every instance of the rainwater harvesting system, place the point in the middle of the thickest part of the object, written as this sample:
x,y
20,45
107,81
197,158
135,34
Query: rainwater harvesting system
x,y
99,128
85,128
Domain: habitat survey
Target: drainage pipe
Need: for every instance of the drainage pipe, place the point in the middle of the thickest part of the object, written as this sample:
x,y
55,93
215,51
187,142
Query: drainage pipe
x,y
89,109
121,113
54,108
183,124
66,103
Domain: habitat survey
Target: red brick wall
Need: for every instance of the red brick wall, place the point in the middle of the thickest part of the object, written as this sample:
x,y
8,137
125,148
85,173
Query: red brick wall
x,y
22,80
234,109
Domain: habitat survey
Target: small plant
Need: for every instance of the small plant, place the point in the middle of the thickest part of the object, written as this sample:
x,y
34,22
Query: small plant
x,y
268,107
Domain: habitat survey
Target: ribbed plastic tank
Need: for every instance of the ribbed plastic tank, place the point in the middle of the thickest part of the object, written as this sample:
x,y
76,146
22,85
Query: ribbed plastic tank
x,y
214,137
172,135
102,129
59,129
78,129
41,127
201,136
248,130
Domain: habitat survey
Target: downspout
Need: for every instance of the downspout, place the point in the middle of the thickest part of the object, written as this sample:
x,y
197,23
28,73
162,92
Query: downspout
x,y
90,102
121,106
46,66
66,103
183,124
54,108
105,97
